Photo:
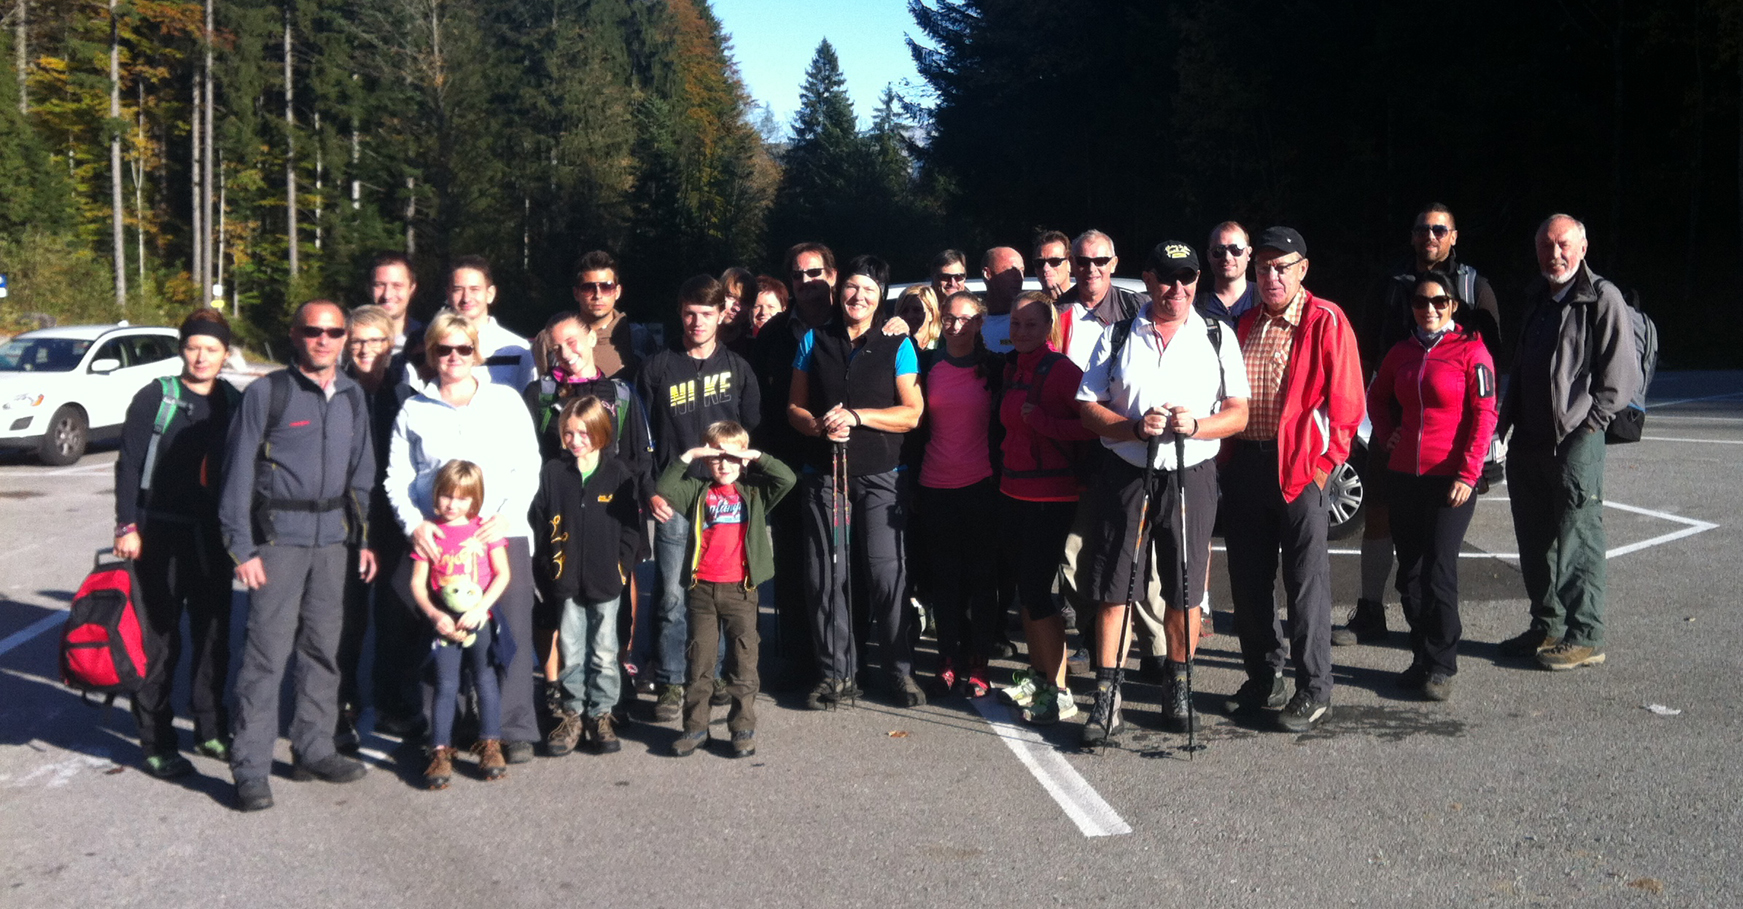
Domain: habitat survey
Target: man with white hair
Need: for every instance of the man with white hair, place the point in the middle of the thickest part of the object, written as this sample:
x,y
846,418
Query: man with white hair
x,y
1087,310
1576,368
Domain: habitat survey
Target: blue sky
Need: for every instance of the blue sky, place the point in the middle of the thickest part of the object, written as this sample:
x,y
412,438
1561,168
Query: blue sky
x,y
773,41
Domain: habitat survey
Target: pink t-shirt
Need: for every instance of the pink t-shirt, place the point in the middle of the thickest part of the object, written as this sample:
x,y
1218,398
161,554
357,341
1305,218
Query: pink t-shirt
x,y
461,553
958,407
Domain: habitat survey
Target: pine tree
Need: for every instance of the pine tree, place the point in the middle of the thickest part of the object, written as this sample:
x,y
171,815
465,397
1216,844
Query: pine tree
x,y
822,168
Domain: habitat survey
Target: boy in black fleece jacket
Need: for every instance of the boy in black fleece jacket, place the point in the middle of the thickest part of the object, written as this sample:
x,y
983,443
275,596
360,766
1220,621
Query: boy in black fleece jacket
x,y
587,537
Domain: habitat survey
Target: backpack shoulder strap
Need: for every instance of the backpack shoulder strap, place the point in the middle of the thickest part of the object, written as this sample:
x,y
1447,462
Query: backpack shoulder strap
x,y
279,384
1213,329
1117,335
1039,381
171,389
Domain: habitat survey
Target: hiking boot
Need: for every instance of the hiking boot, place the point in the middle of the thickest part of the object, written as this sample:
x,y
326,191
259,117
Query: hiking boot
x,y
517,752
1044,704
1367,625
441,769
823,696
1569,656
1256,694
490,760
720,697
686,744
1022,690
744,743
253,795
1533,642
1303,713
670,704
345,737
974,683
334,768
1438,687
568,733
1414,677
168,766
1104,726
1177,713
946,680
908,693
603,737
217,748
555,698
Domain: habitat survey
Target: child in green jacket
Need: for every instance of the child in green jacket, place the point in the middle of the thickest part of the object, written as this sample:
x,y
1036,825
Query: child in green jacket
x,y
730,554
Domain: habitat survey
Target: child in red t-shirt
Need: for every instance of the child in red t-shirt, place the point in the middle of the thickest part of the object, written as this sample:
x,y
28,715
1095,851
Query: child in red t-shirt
x,y
468,575
730,554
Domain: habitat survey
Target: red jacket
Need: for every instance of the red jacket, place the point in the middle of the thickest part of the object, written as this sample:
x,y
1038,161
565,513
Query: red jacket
x,y
1038,453
1322,394
1444,400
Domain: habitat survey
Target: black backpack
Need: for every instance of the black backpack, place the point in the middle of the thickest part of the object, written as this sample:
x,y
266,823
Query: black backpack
x,y
1629,424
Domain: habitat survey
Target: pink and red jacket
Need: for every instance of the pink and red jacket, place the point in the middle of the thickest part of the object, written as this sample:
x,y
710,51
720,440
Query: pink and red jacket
x,y
1441,401
1038,453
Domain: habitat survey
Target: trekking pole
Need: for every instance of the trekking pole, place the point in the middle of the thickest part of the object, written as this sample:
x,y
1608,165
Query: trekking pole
x,y
1192,746
844,548
1150,451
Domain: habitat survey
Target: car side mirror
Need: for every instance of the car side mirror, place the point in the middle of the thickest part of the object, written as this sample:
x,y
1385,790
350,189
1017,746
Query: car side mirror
x,y
105,365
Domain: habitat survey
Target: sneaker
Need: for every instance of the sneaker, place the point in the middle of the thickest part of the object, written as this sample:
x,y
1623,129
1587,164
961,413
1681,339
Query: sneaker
x,y
744,743
1303,713
564,738
1438,687
1177,712
823,696
1022,690
334,768
1257,694
603,737
1414,677
490,760
441,769
168,765
670,704
946,681
720,698
908,693
217,748
517,752
1104,726
1367,625
973,685
686,744
1044,704
253,795
1533,642
1569,656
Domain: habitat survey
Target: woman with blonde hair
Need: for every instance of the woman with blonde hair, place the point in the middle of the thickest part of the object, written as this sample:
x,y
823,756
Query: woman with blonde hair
x,y
918,307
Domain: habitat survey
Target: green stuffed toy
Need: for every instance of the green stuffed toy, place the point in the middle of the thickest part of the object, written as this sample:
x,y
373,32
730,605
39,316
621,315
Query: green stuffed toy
x,y
460,596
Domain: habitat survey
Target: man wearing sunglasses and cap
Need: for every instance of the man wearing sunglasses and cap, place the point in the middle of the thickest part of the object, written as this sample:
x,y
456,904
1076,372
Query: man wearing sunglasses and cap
x,y
1433,239
300,466
1307,399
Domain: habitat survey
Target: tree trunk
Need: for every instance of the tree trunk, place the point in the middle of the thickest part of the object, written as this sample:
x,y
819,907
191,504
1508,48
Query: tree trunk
x,y
139,191
320,180
290,146
218,269
21,49
411,211
208,268
1616,138
356,155
198,208
118,216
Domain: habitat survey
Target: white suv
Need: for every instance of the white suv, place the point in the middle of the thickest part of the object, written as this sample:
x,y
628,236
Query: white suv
x,y
60,388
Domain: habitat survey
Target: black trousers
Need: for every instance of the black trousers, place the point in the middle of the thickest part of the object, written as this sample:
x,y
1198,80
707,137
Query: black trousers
x,y
878,519
401,636
1428,534
793,648
1259,527
183,570
954,541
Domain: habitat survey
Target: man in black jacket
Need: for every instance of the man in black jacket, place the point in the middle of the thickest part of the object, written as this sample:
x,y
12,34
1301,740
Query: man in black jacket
x,y
300,467
685,391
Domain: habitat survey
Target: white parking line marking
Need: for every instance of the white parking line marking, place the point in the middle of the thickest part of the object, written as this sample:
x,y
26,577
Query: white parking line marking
x,y
79,470
1700,441
1086,808
52,620
1676,417
1732,394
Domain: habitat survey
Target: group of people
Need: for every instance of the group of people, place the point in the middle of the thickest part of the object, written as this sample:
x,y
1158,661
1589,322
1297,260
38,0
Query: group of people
x,y
482,501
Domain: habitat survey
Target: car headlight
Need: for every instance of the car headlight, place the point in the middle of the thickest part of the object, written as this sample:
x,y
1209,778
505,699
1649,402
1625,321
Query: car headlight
x,y
22,401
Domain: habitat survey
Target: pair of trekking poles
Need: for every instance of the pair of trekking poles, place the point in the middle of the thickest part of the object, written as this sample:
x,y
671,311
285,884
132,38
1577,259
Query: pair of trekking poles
x,y
1138,546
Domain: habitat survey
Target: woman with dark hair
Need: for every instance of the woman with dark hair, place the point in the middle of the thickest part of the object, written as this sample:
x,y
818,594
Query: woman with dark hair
x,y
771,301
735,329
855,392
1432,404
956,458
167,483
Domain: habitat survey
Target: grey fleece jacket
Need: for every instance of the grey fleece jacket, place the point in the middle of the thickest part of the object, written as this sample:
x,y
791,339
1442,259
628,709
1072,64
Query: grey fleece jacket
x,y
1585,391
320,450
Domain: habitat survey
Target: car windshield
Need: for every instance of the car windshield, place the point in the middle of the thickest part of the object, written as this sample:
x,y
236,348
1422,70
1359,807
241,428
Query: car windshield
x,y
42,354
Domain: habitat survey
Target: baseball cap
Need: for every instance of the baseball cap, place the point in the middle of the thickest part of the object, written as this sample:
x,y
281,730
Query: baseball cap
x,y
1170,256
1283,239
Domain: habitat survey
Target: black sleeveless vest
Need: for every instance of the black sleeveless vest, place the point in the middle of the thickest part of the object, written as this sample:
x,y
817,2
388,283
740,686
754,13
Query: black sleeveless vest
x,y
866,379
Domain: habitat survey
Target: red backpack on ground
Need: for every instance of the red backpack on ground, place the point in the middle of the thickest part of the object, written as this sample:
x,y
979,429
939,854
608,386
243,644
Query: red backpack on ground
x,y
103,643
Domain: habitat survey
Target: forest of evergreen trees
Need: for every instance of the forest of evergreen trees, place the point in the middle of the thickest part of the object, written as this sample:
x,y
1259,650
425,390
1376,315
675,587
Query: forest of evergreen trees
x,y
273,146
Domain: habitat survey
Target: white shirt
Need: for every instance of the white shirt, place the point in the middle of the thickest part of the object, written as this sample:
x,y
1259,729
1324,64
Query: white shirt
x,y
493,431
996,332
1185,373
508,358
1087,329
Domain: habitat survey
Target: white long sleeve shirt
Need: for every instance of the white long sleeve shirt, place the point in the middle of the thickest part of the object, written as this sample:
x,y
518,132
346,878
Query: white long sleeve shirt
x,y
493,431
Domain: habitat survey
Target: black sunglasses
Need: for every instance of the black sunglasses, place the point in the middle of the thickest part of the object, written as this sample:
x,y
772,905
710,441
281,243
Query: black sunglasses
x,y
1087,261
314,331
1228,251
1183,276
598,287
1439,230
464,350
1052,261
1423,302
807,274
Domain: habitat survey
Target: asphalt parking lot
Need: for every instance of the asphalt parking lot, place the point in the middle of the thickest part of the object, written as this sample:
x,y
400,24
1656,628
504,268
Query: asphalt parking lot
x,y
1530,788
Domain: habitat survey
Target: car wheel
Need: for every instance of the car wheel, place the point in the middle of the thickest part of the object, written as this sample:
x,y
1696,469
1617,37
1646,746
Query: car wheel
x,y
1344,493
64,443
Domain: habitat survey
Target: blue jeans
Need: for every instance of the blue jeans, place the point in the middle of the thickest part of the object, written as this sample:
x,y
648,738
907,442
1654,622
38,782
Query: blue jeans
x,y
671,550
587,635
448,659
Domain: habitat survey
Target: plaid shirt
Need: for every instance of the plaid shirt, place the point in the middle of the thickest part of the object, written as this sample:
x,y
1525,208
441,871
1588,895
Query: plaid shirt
x,y
1267,357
